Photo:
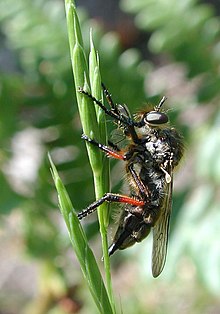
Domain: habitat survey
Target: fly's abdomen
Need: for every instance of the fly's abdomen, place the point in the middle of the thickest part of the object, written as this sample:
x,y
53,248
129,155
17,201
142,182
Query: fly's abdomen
x,y
132,228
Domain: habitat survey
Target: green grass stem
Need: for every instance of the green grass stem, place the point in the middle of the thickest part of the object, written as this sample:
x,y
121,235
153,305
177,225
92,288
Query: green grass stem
x,y
87,75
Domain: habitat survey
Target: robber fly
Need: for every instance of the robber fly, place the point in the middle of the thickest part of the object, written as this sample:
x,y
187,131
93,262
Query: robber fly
x,y
153,151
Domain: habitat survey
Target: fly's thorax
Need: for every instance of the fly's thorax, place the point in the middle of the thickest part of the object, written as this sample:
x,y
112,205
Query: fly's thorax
x,y
176,144
162,145
159,148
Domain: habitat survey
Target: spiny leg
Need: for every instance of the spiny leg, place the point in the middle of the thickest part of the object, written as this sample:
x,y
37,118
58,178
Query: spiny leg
x,y
108,150
119,155
115,113
111,113
144,192
119,109
110,197
109,98
114,146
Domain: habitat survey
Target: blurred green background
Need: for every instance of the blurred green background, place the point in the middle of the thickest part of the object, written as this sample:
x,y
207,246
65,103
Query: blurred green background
x,y
147,49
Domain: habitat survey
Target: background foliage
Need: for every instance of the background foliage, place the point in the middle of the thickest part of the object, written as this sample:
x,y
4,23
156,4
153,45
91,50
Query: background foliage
x,y
178,56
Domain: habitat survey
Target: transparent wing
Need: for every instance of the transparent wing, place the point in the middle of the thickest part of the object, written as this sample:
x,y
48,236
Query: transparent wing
x,y
160,232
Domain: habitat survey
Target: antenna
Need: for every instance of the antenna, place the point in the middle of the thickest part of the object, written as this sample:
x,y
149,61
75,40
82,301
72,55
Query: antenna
x,y
162,101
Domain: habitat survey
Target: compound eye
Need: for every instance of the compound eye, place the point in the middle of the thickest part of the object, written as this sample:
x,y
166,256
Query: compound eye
x,y
156,118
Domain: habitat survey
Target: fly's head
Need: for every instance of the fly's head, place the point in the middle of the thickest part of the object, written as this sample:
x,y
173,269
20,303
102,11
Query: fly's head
x,y
154,118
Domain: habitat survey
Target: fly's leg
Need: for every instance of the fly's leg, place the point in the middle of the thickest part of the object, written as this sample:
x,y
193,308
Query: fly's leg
x,y
114,146
143,190
122,113
114,112
110,112
109,99
113,198
108,150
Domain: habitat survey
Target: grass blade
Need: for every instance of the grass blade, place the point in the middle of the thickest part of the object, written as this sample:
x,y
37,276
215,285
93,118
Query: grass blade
x,y
80,245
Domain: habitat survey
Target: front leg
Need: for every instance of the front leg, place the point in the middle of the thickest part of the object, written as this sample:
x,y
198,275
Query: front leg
x,y
118,112
110,112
